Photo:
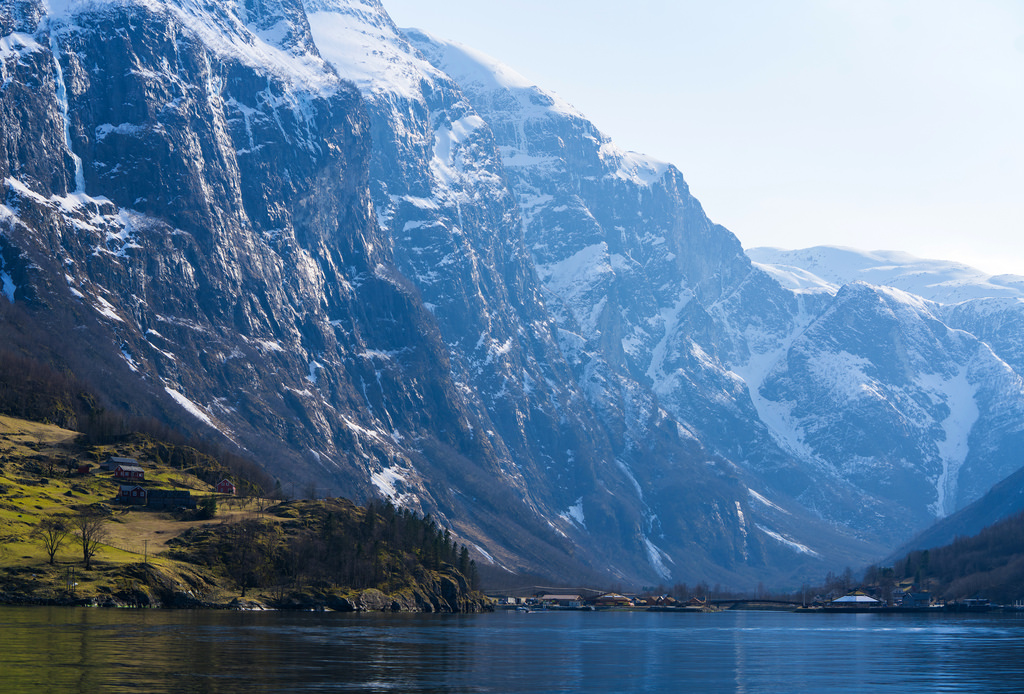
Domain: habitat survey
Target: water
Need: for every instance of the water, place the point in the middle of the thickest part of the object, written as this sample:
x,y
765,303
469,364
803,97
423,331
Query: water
x,y
95,650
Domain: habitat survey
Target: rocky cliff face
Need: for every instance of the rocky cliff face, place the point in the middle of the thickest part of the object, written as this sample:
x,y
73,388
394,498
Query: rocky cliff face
x,y
865,404
383,264
194,188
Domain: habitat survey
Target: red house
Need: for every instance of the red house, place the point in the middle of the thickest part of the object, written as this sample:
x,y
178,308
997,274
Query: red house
x,y
226,486
132,494
129,472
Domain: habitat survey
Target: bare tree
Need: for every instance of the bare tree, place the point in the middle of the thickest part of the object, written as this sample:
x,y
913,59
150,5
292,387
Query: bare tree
x,y
91,529
52,531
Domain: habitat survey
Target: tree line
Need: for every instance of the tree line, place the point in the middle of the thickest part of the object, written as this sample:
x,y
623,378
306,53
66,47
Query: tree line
x,y
329,544
989,564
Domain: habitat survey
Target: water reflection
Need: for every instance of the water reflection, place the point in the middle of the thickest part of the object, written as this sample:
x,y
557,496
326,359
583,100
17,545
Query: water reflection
x,y
92,650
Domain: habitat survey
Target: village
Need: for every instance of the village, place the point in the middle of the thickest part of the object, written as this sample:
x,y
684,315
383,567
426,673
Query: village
x,y
131,477
907,597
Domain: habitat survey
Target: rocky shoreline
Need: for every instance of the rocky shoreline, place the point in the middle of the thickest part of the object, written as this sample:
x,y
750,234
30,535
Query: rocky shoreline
x,y
370,600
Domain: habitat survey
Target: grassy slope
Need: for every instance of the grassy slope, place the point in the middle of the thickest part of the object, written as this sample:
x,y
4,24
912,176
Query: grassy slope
x,y
34,484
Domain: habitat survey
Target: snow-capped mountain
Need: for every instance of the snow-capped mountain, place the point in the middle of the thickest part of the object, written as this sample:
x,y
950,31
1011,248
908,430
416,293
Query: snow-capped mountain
x,y
940,281
382,263
793,381
990,307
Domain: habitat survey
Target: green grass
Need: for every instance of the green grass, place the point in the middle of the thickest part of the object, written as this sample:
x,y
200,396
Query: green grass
x,y
35,483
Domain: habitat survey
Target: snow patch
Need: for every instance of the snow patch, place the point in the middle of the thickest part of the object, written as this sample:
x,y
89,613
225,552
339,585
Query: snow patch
x,y
797,279
313,366
106,309
388,480
960,396
191,407
657,558
758,497
576,276
445,165
792,544
7,286
367,49
17,44
123,129
634,167
842,374
936,280
270,345
476,71
220,29
484,554
575,514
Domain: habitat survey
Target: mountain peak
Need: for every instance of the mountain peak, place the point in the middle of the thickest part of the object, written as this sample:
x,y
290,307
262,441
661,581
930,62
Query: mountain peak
x,y
828,267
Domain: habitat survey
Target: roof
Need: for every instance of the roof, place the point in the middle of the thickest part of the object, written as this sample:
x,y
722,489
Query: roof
x,y
130,487
115,459
561,597
855,598
131,468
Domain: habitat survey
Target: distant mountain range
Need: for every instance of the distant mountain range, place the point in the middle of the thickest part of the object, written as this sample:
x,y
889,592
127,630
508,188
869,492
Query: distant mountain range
x,y
828,268
381,263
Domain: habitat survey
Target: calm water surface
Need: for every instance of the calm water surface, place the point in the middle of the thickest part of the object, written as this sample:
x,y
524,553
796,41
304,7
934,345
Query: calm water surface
x,y
95,650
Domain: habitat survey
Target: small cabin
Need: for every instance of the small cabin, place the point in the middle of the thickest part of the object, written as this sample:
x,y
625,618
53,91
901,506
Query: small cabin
x,y
132,494
112,462
129,472
226,486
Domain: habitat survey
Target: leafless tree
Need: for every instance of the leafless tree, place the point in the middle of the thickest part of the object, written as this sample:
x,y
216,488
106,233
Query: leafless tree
x,y
53,532
91,529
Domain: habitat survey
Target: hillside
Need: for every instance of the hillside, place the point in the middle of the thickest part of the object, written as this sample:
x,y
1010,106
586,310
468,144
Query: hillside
x,y
989,564
226,548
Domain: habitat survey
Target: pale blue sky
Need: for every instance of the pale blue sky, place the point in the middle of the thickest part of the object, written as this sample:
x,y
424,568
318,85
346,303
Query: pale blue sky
x,y
877,124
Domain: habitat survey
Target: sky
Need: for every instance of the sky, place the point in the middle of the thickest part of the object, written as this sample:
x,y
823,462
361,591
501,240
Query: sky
x,y
874,124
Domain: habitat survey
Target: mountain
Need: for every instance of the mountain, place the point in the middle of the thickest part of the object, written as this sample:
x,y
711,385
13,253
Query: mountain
x,y
985,307
794,384
940,281
383,264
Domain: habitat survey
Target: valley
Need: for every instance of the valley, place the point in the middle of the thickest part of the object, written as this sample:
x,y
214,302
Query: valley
x,y
378,265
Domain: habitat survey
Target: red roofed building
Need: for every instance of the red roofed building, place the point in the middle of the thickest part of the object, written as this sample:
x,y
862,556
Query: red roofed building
x,y
132,494
129,472
226,486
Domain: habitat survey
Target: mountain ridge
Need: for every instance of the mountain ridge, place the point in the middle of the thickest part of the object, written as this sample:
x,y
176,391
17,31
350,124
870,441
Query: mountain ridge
x,y
303,234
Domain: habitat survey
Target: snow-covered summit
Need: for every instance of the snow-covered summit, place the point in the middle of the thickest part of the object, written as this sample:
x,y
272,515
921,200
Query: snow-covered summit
x,y
271,38
478,72
366,47
517,105
829,267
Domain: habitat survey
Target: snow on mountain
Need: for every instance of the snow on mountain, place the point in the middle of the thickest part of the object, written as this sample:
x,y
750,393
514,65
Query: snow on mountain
x,y
828,267
624,259
445,286
633,270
